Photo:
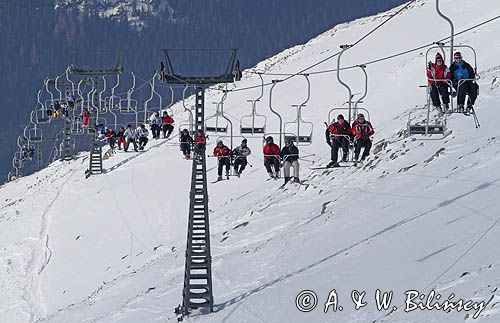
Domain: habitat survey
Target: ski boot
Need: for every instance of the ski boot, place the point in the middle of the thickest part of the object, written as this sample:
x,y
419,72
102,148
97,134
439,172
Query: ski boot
x,y
332,164
344,157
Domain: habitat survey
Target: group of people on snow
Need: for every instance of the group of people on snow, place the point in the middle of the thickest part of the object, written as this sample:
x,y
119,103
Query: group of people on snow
x,y
460,75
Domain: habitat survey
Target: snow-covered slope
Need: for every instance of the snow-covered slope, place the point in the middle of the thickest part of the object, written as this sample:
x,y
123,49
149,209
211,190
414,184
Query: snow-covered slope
x,y
420,215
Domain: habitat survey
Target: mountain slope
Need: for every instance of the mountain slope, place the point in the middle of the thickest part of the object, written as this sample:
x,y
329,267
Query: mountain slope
x,y
419,215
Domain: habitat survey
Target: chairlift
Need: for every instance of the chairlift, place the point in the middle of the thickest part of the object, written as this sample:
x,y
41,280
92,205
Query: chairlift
x,y
189,124
14,174
129,105
228,141
335,111
17,162
34,134
216,126
426,127
299,130
41,113
254,123
280,133
77,126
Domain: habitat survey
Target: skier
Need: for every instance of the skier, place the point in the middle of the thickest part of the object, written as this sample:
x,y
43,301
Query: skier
x,y
241,153
155,121
130,135
272,157
290,156
142,136
338,135
168,124
86,117
223,154
200,142
439,71
362,131
111,138
121,138
463,78
186,141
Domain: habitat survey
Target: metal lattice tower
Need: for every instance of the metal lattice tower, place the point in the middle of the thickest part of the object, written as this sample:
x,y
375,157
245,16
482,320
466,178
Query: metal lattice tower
x,y
197,292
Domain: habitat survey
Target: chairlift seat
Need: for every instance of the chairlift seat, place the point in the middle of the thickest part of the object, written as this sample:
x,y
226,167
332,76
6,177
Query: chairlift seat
x,y
420,129
254,130
216,129
301,139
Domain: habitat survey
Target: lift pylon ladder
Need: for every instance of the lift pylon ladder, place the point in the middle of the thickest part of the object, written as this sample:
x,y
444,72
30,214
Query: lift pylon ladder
x,y
95,162
197,292
198,269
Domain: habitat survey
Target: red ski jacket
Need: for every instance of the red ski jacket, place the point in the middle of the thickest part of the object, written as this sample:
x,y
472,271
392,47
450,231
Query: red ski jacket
x,y
167,120
200,140
337,129
221,151
271,149
364,129
438,72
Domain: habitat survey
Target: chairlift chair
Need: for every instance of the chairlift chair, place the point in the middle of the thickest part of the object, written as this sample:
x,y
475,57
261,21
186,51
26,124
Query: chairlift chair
x,y
299,131
425,127
254,123
77,127
332,114
17,163
14,174
217,126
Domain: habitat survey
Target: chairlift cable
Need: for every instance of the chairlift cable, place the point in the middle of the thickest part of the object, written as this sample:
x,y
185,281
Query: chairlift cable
x,y
367,63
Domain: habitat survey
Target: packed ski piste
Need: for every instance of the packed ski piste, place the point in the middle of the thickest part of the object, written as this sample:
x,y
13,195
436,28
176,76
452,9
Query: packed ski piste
x,y
349,179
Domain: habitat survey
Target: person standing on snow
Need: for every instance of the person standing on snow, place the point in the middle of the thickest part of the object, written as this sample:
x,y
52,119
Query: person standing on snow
x,y
142,136
121,138
110,137
130,135
155,122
